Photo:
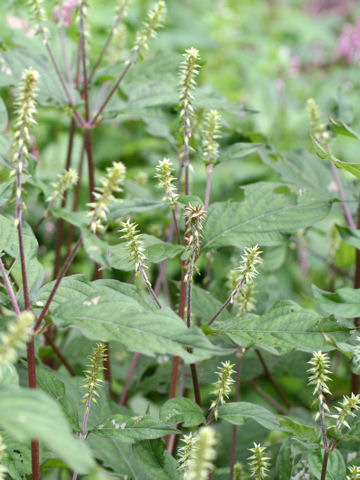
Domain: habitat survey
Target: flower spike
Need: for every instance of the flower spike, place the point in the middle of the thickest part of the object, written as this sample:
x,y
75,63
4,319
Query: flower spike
x,y
204,453
258,462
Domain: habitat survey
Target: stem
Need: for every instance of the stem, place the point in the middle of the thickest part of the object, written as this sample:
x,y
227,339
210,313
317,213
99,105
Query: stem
x,y
227,302
107,368
272,380
82,46
58,352
83,433
62,273
267,397
129,64
9,289
117,20
196,384
149,287
89,153
187,135
240,354
130,374
354,377
60,225
209,170
324,465
346,208
63,43
63,84
32,384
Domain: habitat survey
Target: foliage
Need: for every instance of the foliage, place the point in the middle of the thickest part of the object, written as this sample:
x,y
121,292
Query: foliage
x,y
179,258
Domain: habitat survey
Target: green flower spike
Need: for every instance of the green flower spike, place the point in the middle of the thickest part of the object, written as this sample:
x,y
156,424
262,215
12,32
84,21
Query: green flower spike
x,y
211,134
258,462
204,454
222,386
16,336
164,172
354,473
154,21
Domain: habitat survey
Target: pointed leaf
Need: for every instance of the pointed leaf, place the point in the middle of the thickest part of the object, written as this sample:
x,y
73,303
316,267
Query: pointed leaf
x,y
268,212
345,302
181,410
340,128
27,414
238,413
132,428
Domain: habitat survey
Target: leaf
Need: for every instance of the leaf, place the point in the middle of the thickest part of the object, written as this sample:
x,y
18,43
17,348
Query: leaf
x,y
340,128
345,302
239,150
50,91
17,457
305,432
119,208
285,327
325,152
9,243
122,319
155,251
181,410
268,212
3,116
335,468
27,414
8,375
351,236
284,461
132,428
301,168
155,461
110,310
238,413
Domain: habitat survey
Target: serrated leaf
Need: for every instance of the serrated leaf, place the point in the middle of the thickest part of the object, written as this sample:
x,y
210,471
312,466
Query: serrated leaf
x,y
155,251
181,410
325,152
336,469
27,414
155,461
340,128
306,432
132,428
284,461
239,150
285,327
9,243
345,302
123,320
17,457
238,413
119,208
268,212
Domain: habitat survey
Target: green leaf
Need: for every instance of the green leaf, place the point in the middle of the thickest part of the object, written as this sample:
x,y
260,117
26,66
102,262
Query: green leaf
x,y
9,243
340,128
155,250
301,168
155,461
285,327
119,208
336,469
181,410
239,150
325,152
345,302
284,461
17,457
3,116
110,310
8,375
238,413
132,428
305,432
268,212
351,236
27,414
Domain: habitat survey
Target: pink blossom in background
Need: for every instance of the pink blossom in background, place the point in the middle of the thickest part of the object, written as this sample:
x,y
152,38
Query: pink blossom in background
x,y
349,43
63,13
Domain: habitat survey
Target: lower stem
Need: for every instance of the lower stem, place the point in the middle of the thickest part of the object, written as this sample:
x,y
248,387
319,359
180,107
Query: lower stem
x,y
234,428
35,462
324,465
130,374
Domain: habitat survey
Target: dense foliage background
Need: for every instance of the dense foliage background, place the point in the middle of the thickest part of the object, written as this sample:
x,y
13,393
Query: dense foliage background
x,y
260,62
